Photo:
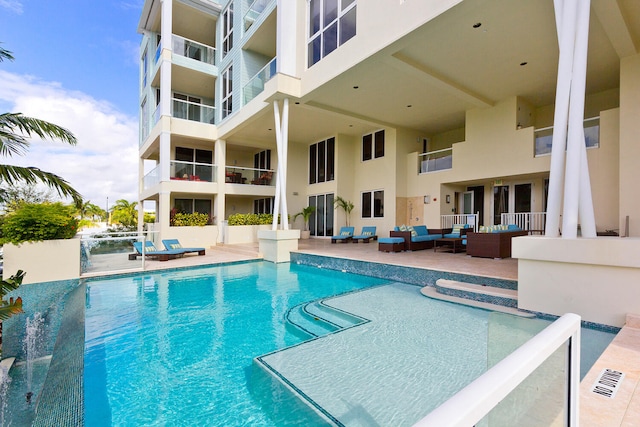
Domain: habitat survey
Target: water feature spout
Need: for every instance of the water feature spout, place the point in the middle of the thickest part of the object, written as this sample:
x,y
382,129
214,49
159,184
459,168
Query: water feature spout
x,y
33,343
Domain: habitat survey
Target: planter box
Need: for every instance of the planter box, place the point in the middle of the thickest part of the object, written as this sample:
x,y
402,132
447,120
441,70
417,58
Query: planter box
x,y
234,234
45,261
192,236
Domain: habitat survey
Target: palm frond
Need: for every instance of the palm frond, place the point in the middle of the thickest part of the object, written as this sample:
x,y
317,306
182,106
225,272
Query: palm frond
x,y
9,308
12,283
33,175
5,54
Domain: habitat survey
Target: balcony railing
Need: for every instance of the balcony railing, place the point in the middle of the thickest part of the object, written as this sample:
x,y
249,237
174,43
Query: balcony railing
x,y
152,178
544,137
435,160
257,82
192,49
192,171
255,10
193,111
533,222
156,58
447,221
240,175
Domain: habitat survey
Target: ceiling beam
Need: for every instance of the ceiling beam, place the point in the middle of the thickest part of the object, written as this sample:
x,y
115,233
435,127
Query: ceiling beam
x,y
614,24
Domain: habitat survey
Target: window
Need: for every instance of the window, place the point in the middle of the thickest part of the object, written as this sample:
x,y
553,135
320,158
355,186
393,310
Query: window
x,y
322,161
227,29
192,205
373,204
263,206
331,23
194,163
321,220
144,65
373,145
227,92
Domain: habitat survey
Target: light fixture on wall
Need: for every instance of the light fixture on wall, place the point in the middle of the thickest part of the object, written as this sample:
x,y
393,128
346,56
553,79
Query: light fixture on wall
x,y
448,198
427,199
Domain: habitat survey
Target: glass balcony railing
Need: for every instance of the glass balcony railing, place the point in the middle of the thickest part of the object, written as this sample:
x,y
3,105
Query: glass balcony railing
x,y
544,137
192,171
188,110
152,178
435,160
194,50
255,10
256,84
240,175
156,58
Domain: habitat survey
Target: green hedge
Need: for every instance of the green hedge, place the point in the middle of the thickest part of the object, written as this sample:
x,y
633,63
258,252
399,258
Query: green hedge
x,y
33,222
250,219
189,219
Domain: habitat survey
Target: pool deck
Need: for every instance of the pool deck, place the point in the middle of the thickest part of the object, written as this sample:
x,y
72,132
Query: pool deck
x,y
622,355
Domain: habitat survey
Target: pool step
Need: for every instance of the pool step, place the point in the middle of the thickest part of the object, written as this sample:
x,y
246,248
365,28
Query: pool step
x,y
481,296
317,319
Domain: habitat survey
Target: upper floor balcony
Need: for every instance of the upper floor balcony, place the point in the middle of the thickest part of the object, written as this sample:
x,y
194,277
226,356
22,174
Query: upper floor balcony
x,y
435,160
544,137
256,85
193,50
254,12
194,111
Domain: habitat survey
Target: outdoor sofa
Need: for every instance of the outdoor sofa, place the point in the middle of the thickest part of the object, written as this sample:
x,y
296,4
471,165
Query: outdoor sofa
x,y
416,237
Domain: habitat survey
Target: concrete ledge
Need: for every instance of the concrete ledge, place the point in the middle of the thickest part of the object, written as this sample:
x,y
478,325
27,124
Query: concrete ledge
x,y
276,245
595,278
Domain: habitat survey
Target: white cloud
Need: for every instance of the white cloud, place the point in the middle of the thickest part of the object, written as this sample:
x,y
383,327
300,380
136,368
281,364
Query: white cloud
x,y
103,164
12,5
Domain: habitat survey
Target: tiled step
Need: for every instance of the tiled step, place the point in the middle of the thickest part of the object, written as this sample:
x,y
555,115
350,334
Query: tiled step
x,y
307,323
432,292
488,294
336,317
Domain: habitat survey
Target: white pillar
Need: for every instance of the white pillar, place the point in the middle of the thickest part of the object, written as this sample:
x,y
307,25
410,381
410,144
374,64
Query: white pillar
x,y
165,66
286,37
220,206
165,156
282,142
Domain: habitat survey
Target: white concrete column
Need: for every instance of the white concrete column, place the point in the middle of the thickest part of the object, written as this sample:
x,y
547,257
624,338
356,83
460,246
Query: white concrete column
x,y
282,142
165,156
220,205
286,37
165,66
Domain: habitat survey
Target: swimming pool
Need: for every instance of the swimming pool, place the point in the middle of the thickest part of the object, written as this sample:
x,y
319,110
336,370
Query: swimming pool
x,y
176,348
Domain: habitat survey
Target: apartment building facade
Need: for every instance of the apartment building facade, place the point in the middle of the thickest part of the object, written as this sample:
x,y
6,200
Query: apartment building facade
x,y
410,109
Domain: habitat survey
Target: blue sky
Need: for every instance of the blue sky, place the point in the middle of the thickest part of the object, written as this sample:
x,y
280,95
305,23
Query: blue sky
x,y
76,65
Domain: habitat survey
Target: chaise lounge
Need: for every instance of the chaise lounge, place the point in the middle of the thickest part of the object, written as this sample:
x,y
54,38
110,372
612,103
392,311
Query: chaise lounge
x,y
346,234
416,237
367,234
151,251
170,244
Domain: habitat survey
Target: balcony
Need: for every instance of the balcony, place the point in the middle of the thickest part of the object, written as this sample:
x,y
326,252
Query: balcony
x,y
255,10
181,109
257,82
240,175
152,178
192,171
192,49
434,161
544,137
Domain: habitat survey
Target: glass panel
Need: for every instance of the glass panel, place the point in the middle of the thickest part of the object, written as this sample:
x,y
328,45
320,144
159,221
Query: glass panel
x,y
592,134
314,51
330,39
500,202
184,154
346,3
203,173
544,141
321,160
204,156
321,216
378,204
330,11
312,163
312,219
329,215
366,205
379,141
330,158
523,198
314,17
347,26
183,205
203,206
366,147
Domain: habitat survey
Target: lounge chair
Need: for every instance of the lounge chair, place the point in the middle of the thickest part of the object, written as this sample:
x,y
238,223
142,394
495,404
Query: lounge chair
x,y
151,251
170,244
346,234
367,234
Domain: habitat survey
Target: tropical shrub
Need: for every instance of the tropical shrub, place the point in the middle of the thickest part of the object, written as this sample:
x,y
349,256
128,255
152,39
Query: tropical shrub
x,y
251,219
189,219
36,222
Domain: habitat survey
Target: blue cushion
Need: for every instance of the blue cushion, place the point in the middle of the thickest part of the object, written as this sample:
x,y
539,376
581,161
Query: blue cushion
x,y
391,240
421,230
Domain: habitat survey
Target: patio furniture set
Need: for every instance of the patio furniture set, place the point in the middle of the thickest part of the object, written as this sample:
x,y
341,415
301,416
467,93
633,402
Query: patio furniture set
x,y
173,249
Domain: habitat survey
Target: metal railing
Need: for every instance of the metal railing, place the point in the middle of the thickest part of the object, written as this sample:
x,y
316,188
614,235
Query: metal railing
x,y
543,137
256,85
533,222
241,175
192,171
255,10
188,110
192,49
447,221
435,160
480,398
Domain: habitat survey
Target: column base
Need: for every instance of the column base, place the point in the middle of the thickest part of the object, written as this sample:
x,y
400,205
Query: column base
x,y
276,245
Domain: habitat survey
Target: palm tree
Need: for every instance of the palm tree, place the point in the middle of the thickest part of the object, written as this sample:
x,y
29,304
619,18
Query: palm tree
x,y
125,213
15,129
345,205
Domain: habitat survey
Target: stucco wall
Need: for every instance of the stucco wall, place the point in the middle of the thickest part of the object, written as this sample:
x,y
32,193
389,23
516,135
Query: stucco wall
x,y
45,261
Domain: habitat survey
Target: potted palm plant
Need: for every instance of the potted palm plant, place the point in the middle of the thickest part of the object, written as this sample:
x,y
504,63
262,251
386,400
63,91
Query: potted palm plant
x,y
305,214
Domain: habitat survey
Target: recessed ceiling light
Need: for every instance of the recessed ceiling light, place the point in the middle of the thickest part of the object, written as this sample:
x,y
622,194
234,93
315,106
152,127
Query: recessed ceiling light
x,y
522,64
477,25
269,129
356,87
409,106
350,126
297,103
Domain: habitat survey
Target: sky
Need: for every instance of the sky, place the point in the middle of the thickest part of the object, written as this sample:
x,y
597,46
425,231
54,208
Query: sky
x,y
77,66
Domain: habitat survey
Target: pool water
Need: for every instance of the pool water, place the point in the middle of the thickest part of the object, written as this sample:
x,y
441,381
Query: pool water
x,y
177,348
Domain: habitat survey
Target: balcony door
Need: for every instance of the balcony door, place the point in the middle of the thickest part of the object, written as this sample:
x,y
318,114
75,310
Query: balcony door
x,y
321,221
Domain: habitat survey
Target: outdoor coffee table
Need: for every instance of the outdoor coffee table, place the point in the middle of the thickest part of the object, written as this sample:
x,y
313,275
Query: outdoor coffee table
x,y
452,243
